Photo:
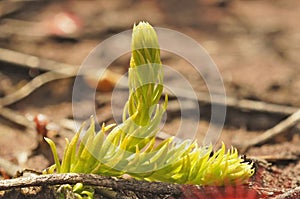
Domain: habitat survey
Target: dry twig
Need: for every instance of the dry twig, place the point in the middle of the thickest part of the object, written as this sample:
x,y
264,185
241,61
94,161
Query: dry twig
x,y
271,133
35,62
31,86
90,180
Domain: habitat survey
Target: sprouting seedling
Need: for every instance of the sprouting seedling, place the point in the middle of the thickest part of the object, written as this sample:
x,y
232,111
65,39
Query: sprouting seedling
x,y
130,148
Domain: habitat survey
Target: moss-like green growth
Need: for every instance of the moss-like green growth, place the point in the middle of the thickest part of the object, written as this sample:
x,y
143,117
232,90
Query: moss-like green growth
x,y
129,147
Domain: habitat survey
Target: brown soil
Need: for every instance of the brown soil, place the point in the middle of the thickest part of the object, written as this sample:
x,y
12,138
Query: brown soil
x,y
255,45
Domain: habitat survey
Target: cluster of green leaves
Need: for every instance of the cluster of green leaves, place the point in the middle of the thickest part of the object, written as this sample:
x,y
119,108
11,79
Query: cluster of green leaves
x,y
78,191
129,148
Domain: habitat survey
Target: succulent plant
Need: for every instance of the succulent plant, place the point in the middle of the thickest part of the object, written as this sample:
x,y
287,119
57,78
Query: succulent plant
x,y
129,148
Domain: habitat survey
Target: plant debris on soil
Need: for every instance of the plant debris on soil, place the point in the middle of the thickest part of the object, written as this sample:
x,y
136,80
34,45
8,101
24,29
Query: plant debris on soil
x,y
255,45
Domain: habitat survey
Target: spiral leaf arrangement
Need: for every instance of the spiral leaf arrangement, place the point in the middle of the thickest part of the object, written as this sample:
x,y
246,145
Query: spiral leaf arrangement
x,y
129,148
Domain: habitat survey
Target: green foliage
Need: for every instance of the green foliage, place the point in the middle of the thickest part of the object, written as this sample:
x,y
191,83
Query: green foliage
x,y
78,191
129,148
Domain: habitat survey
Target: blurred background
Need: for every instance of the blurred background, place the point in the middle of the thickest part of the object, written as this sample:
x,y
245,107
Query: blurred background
x,y
254,43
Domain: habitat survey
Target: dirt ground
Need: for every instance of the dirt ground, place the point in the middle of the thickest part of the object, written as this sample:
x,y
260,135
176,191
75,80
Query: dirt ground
x,y
255,45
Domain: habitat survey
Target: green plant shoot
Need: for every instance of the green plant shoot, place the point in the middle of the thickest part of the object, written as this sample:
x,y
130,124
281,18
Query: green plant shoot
x,y
129,148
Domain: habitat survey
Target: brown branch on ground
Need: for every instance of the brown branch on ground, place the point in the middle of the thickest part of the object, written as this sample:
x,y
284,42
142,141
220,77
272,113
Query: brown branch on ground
x,y
35,62
111,183
271,133
31,86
